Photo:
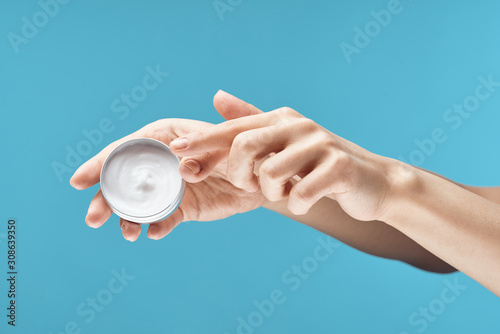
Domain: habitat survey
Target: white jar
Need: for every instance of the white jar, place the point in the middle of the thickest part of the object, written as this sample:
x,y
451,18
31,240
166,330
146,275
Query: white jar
x,y
140,181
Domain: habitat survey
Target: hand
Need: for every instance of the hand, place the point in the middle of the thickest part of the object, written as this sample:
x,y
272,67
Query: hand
x,y
211,199
284,155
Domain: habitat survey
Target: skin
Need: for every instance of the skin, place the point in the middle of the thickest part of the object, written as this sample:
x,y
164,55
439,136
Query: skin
x,y
287,163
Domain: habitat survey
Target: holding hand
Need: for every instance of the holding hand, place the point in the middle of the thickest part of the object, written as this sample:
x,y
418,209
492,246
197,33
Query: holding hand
x,y
212,199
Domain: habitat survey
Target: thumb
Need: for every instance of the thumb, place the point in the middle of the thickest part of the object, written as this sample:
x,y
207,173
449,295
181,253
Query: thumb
x,y
231,107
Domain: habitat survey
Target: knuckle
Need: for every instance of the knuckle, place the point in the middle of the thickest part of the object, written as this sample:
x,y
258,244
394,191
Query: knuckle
x,y
238,179
343,172
261,137
297,210
290,112
308,125
149,129
328,143
269,170
155,129
244,143
273,196
286,112
302,194
342,160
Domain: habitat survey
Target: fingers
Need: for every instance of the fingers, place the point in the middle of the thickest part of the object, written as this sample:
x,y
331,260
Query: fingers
x,y
219,136
332,175
130,230
231,107
307,192
249,147
276,172
161,229
98,212
197,168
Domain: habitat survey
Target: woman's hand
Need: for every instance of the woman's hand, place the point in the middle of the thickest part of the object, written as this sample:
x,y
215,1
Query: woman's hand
x,y
218,165
211,199
285,155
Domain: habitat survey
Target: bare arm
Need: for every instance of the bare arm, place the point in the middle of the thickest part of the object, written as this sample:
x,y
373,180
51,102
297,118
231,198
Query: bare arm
x,y
347,192
373,237
373,203
455,224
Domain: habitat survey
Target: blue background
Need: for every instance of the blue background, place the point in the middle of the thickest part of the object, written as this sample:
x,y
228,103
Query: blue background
x,y
203,276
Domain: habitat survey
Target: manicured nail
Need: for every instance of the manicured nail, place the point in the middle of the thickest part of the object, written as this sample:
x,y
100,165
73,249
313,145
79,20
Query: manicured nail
x,y
89,221
73,178
151,235
124,229
193,165
223,92
179,144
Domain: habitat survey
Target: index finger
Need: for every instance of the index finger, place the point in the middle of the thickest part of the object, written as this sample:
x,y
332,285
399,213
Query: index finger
x,y
220,136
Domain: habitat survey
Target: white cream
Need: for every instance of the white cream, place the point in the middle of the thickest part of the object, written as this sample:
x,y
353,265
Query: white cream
x,y
141,179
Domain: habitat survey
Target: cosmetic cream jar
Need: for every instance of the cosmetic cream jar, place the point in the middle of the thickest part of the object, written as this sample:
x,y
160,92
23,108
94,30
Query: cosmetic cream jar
x,y
140,181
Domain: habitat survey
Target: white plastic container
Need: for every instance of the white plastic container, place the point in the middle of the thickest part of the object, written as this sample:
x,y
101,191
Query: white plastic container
x,y
140,181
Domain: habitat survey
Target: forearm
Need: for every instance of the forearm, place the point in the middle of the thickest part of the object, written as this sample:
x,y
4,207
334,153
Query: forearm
x,y
375,237
457,225
489,193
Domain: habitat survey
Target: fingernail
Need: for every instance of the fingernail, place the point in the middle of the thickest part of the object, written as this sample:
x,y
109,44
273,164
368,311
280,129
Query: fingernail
x,y
72,180
75,175
89,221
179,144
124,230
150,235
193,165
223,92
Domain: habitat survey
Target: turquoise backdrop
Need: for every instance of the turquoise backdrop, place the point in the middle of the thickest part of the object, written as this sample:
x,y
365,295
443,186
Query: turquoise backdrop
x,y
383,74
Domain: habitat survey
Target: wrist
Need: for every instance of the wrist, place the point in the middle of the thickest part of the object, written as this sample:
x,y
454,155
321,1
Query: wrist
x,y
404,182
